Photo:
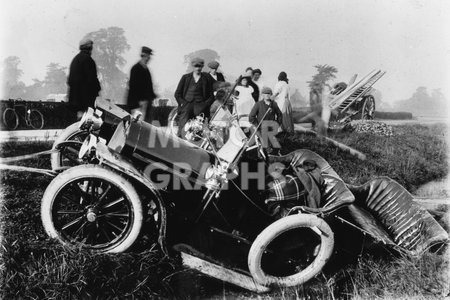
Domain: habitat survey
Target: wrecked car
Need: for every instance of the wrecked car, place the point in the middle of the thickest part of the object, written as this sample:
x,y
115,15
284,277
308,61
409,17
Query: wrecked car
x,y
233,213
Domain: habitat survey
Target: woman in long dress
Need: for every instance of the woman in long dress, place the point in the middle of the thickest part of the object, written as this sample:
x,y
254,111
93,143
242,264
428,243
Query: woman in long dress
x,y
244,101
281,95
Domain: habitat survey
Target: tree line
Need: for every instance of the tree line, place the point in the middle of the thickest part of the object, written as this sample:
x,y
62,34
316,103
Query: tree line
x,y
110,44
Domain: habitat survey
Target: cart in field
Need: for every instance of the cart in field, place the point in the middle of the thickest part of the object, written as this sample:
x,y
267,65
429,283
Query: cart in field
x,y
355,99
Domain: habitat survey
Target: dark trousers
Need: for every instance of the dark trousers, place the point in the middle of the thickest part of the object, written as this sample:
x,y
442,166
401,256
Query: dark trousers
x,y
190,110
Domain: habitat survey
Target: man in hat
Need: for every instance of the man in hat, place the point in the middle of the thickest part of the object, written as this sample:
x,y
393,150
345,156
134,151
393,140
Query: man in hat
x,y
269,115
194,94
216,76
82,81
140,87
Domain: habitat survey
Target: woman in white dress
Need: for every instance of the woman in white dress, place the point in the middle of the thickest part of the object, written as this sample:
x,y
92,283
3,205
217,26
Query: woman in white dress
x,y
244,101
281,96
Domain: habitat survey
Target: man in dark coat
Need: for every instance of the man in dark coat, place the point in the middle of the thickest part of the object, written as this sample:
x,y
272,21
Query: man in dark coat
x,y
269,115
194,94
217,77
140,87
83,82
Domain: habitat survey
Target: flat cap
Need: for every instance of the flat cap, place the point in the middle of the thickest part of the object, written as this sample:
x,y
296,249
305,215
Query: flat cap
x,y
146,50
213,64
197,61
86,43
266,90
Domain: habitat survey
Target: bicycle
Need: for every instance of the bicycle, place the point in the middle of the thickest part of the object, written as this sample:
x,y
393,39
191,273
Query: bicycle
x,y
32,117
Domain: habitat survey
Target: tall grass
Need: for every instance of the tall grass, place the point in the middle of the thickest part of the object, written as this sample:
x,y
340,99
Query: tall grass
x,y
34,267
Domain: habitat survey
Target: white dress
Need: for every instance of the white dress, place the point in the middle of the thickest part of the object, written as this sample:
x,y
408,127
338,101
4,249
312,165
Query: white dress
x,y
282,88
244,103
283,102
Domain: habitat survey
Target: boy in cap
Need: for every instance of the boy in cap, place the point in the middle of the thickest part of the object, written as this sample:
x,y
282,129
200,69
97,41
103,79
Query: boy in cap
x,y
268,113
216,76
194,94
140,87
82,81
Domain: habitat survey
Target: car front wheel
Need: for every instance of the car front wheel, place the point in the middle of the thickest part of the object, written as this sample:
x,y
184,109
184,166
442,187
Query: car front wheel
x,y
91,207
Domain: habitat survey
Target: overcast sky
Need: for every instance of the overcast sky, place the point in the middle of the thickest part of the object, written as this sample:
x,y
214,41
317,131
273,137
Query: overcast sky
x,y
408,39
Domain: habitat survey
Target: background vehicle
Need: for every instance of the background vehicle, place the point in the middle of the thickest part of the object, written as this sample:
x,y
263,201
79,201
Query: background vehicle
x,y
20,109
355,99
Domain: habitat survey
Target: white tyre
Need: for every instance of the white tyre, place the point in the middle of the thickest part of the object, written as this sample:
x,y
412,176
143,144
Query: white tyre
x,y
91,207
67,156
290,251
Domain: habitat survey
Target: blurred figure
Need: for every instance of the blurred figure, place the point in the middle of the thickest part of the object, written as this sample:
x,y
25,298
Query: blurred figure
x,y
83,83
315,102
140,87
281,96
223,89
194,94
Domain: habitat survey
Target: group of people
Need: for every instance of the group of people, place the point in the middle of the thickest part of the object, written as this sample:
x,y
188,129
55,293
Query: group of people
x,y
197,92
200,93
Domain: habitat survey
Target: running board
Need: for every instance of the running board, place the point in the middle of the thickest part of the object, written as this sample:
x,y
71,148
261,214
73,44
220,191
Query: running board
x,y
222,273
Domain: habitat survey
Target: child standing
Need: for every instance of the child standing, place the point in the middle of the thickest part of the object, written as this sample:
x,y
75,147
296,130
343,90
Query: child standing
x,y
270,114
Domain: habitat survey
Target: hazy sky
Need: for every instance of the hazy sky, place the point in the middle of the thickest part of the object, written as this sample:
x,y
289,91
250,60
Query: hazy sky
x,y
408,39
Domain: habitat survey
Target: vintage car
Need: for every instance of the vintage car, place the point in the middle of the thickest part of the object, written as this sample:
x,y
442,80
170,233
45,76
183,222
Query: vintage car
x,y
234,213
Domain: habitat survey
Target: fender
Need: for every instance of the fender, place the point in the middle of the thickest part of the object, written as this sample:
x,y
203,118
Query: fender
x,y
117,162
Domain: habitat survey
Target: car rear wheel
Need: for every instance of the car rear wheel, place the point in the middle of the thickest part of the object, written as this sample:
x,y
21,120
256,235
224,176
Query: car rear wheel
x,y
92,207
290,251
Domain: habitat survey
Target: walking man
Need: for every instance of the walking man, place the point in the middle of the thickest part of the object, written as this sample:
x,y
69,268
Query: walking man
x,y
83,83
140,87
194,94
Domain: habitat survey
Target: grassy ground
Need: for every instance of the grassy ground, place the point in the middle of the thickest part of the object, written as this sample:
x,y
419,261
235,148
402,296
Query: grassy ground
x,y
33,267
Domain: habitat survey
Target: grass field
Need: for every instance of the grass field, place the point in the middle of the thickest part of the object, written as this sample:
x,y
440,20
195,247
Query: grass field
x,y
34,267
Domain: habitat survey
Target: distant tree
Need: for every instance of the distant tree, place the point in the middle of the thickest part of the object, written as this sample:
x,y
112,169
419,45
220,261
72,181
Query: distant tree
x,y
55,79
207,54
421,94
11,86
421,103
320,80
297,99
437,95
109,46
323,75
36,91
